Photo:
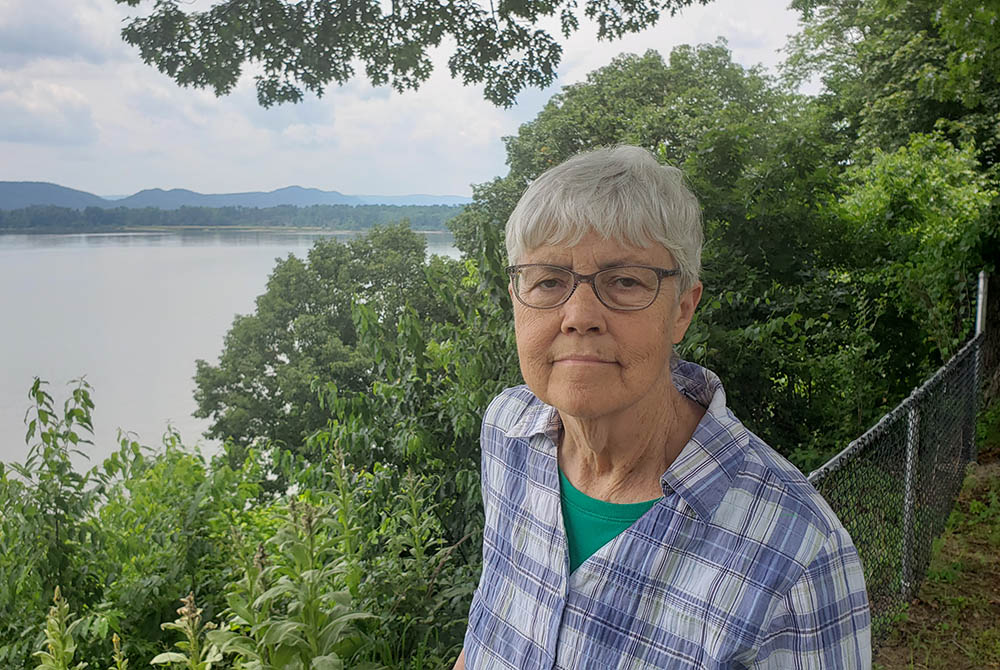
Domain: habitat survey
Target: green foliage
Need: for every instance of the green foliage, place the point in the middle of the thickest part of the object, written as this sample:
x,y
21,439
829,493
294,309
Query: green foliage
x,y
972,73
46,507
287,602
302,329
126,538
919,217
170,524
896,67
293,580
307,46
58,639
433,382
411,575
422,617
193,654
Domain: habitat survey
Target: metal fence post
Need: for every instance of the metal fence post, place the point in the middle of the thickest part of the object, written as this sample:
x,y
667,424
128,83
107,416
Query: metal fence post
x,y
972,453
912,442
981,303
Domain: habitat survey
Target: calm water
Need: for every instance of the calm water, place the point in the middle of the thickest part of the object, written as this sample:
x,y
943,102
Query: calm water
x,y
132,312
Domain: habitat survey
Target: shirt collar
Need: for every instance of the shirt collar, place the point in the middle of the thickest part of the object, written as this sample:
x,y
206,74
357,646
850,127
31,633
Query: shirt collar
x,y
707,465
537,419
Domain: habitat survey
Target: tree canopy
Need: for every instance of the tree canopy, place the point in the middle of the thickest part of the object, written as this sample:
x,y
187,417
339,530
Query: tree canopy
x,y
302,329
895,67
306,45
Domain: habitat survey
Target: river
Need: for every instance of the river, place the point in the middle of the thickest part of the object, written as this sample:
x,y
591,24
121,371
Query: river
x,y
131,312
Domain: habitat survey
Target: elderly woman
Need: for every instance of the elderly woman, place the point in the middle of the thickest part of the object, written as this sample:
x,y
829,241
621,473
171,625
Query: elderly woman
x,y
632,521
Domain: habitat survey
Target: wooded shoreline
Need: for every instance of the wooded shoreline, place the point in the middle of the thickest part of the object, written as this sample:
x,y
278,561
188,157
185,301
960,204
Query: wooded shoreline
x,y
208,229
320,218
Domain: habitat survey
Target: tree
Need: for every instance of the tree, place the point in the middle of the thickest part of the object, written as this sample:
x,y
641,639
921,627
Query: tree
x,y
919,216
309,44
302,331
891,68
755,154
895,72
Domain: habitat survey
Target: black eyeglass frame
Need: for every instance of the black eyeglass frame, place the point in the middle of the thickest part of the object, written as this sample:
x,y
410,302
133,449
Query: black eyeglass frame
x,y
578,279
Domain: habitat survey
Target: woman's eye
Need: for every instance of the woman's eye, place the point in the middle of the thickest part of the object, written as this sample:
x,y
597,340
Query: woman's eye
x,y
548,283
623,283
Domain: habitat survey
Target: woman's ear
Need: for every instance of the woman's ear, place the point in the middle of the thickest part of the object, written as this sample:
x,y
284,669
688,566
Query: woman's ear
x,y
686,304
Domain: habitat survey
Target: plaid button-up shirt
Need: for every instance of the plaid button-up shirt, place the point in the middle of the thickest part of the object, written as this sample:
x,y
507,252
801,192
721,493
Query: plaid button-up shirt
x,y
742,564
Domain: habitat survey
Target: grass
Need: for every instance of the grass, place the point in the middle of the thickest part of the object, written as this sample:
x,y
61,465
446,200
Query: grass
x,y
954,622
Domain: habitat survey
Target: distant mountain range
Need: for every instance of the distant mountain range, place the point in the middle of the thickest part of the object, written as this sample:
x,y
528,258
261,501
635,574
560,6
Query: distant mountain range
x,y
19,194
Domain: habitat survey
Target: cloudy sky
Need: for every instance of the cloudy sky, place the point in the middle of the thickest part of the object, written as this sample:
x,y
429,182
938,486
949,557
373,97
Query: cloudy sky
x,y
78,108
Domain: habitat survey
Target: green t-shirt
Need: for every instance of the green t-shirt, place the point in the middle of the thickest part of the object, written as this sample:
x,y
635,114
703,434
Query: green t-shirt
x,y
591,523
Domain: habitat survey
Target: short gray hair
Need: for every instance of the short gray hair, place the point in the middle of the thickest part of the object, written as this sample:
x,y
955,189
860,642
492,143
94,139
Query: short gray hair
x,y
622,193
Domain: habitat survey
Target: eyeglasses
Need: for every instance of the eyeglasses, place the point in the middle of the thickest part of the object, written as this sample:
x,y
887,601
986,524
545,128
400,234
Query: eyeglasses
x,y
623,287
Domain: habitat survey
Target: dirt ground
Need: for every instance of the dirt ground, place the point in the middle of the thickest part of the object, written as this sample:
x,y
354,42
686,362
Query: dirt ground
x,y
954,622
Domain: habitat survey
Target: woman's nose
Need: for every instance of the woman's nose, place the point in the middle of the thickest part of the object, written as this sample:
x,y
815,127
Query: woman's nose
x,y
583,312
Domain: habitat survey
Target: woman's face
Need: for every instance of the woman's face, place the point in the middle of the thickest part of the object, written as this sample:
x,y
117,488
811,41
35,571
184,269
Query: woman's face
x,y
589,361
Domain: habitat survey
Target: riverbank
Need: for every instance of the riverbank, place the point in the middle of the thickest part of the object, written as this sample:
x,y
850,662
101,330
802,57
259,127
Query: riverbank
x,y
339,218
312,230
268,229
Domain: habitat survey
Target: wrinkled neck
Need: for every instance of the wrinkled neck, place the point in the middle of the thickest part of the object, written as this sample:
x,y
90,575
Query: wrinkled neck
x,y
620,457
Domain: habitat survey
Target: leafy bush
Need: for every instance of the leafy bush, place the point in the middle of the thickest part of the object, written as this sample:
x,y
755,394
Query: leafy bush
x,y
286,611
357,570
123,540
58,639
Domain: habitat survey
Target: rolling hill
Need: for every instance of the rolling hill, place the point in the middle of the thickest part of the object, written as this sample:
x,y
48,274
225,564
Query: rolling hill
x,y
20,194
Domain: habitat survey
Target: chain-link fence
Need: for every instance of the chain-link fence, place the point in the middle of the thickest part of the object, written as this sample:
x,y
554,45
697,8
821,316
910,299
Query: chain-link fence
x,y
893,488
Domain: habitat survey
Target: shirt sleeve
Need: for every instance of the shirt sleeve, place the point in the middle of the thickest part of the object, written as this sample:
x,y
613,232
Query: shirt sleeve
x,y
823,622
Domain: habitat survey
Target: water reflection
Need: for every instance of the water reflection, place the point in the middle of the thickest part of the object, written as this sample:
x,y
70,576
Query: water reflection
x,y
441,243
132,312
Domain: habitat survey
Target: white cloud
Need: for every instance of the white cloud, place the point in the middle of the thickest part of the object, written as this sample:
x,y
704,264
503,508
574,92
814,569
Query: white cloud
x,y
754,30
309,135
42,112
85,30
66,77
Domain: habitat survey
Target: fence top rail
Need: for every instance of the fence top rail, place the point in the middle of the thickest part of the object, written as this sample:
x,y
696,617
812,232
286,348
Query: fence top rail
x,y
859,443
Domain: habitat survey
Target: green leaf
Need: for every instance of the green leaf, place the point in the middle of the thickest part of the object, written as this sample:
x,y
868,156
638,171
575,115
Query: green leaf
x,y
280,589
327,662
332,632
239,607
233,643
103,627
284,633
169,657
286,658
